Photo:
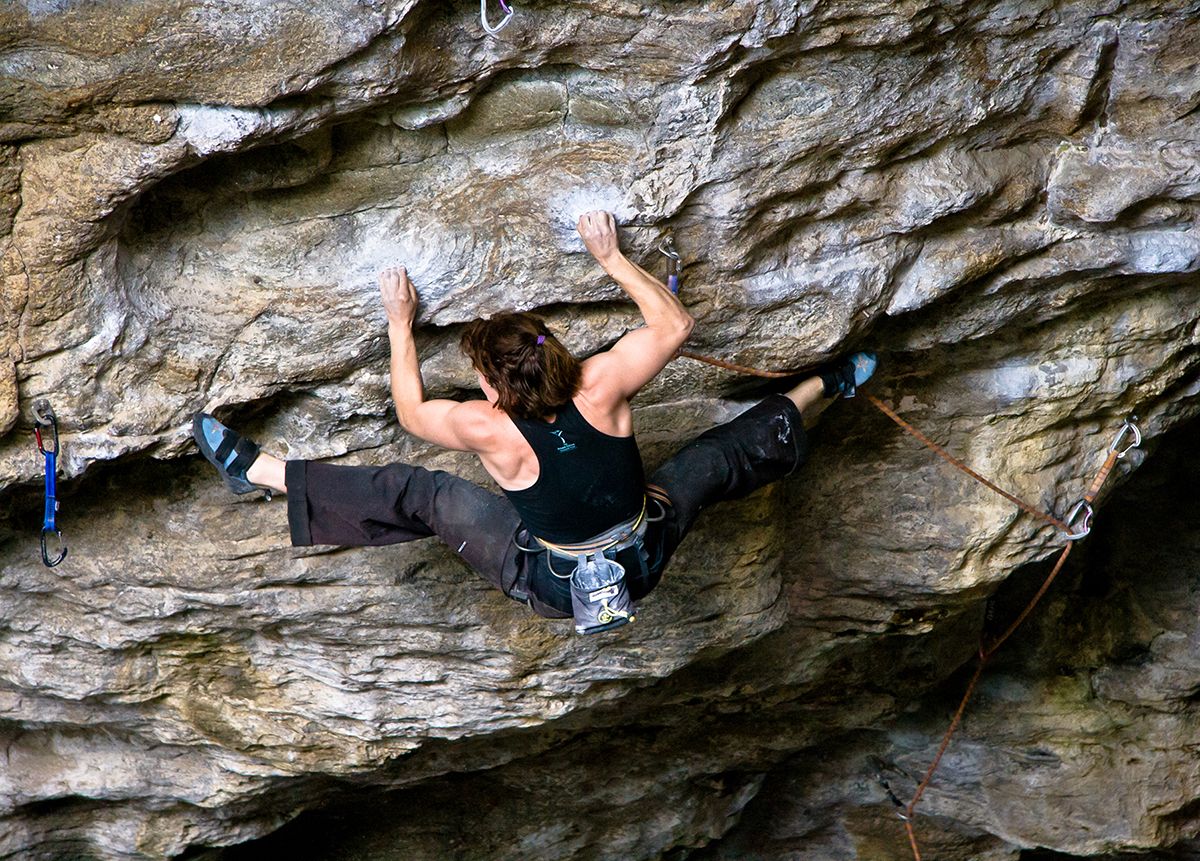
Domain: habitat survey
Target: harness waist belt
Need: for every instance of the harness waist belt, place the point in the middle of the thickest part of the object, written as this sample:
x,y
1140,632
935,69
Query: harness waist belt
x,y
617,538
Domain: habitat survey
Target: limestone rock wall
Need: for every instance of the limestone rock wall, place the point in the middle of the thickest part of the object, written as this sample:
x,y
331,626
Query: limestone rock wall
x,y
194,201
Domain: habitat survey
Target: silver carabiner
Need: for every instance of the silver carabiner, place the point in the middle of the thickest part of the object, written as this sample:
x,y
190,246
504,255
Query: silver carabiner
x,y
1128,427
483,17
43,414
675,264
1086,527
48,560
667,247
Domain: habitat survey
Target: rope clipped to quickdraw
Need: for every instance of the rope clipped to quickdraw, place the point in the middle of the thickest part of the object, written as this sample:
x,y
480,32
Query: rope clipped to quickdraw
x,y
1117,450
43,417
1076,525
483,17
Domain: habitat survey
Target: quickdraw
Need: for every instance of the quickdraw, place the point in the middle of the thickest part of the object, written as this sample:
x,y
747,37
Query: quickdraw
x,y
1076,525
674,267
1116,451
44,417
483,16
1072,534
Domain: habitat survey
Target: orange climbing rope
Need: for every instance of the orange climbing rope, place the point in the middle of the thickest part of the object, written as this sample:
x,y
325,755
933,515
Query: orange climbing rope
x,y
1071,533
952,460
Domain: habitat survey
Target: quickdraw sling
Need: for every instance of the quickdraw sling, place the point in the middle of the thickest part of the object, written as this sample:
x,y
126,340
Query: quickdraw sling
x,y
43,417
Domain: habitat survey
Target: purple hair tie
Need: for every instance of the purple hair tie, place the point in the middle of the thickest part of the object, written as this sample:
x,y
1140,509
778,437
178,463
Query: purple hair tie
x,y
541,340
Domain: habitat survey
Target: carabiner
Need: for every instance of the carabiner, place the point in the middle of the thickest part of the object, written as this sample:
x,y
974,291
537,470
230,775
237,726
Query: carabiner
x,y
667,247
1128,427
1086,526
62,551
43,416
483,16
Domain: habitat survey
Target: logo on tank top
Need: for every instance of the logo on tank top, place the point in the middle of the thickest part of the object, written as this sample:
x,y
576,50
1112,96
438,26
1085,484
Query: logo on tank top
x,y
566,446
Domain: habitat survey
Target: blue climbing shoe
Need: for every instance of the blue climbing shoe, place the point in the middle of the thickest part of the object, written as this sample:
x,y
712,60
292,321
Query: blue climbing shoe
x,y
846,376
231,453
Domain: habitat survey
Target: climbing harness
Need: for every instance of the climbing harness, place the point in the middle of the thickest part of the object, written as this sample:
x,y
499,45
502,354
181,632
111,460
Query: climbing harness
x,y
43,417
483,16
674,266
599,595
1076,525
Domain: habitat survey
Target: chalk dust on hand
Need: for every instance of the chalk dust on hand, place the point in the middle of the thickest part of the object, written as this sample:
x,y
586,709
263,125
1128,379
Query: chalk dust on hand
x,y
563,211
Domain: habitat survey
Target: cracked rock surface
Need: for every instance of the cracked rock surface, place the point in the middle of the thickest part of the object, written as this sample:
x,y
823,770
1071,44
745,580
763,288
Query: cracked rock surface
x,y
1000,197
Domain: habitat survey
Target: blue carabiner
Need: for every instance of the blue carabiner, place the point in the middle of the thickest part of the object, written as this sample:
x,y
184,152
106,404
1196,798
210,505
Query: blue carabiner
x,y
44,417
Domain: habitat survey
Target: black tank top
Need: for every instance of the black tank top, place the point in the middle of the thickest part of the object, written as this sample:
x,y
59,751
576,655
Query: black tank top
x,y
588,481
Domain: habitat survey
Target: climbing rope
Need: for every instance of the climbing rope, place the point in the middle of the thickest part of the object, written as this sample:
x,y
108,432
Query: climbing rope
x,y
1129,437
958,464
43,417
1084,506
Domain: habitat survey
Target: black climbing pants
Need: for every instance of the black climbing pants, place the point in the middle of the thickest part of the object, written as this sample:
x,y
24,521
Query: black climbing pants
x,y
363,505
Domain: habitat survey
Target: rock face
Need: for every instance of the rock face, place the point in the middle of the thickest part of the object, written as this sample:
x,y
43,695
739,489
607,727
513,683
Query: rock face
x,y
1002,197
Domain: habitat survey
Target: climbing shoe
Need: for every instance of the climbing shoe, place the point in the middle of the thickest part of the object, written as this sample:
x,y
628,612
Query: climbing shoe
x,y
846,376
231,453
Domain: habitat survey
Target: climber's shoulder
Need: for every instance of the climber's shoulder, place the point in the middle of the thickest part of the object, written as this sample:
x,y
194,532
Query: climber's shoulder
x,y
478,424
457,425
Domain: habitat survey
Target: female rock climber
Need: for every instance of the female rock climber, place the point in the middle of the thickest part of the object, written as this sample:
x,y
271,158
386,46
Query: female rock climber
x,y
578,531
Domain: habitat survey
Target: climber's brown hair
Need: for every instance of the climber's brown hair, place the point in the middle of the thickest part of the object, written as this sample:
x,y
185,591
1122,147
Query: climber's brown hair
x,y
533,379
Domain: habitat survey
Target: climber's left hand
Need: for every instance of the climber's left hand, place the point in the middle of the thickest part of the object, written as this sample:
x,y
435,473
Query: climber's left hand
x,y
399,297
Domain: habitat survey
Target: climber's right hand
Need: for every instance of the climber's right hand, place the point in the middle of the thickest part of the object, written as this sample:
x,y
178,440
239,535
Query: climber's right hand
x,y
599,231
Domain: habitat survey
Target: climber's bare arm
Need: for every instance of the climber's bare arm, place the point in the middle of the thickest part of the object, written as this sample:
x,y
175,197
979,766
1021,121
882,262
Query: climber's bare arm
x,y
450,424
638,356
